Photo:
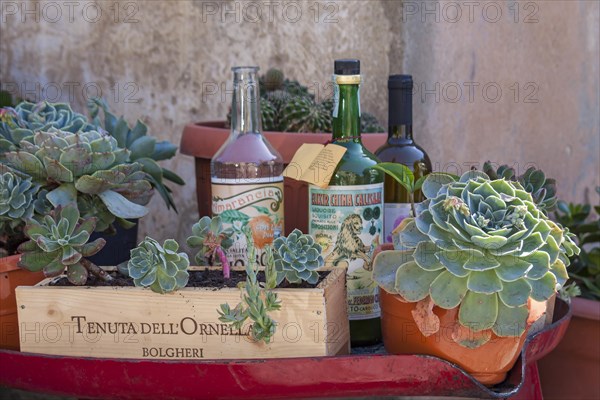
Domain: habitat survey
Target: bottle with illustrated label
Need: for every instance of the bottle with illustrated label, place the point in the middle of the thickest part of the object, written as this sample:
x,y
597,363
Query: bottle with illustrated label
x,y
400,148
346,218
246,175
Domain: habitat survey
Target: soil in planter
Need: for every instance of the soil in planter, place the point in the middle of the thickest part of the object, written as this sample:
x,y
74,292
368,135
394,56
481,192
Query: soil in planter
x,y
209,278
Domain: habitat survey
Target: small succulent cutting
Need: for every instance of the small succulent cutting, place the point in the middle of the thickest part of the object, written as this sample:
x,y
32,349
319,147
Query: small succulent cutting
x,y
208,235
161,268
481,245
256,302
297,258
59,242
16,198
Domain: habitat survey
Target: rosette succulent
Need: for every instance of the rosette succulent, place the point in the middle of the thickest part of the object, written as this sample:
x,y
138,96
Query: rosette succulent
x,y
297,258
158,267
481,245
209,236
16,199
59,241
27,118
74,166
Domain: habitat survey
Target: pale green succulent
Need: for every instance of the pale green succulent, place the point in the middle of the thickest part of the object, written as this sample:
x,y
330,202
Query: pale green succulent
x,y
297,258
479,244
16,198
27,118
74,166
143,148
207,234
158,267
59,241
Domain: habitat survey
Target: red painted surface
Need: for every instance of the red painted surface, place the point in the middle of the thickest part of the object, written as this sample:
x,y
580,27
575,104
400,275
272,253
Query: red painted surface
x,y
344,376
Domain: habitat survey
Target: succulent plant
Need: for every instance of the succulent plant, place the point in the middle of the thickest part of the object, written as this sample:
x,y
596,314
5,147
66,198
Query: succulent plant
x,y
302,114
278,99
534,181
73,166
59,241
143,148
256,302
481,245
208,235
297,258
158,267
27,118
16,199
268,115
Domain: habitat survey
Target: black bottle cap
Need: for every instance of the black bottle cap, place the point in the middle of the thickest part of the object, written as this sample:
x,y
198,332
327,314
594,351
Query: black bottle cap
x,y
347,66
400,100
400,82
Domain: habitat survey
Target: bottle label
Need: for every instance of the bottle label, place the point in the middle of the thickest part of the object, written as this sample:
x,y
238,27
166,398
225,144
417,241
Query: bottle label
x,y
347,222
258,206
393,215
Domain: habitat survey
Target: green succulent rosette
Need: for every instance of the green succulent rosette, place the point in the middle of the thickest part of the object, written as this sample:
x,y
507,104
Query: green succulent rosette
x,y
481,245
17,197
161,268
297,258
20,123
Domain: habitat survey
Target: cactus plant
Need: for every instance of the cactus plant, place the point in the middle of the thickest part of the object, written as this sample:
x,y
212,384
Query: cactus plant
x,y
158,267
20,123
272,80
481,245
302,114
208,235
297,258
143,148
534,181
59,241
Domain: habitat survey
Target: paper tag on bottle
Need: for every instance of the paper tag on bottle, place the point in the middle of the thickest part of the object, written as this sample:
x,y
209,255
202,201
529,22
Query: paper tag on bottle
x,y
315,163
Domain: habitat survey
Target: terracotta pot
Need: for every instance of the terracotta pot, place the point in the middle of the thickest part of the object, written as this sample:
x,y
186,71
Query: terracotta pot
x,y
204,139
572,370
12,276
488,363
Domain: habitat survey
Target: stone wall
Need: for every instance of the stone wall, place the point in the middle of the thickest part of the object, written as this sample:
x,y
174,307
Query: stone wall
x,y
161,60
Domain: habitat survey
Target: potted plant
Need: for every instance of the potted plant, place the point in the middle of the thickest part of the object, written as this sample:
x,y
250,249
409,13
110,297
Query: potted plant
x,y
52,157
20,196
134,145
156,306
470,273
290,117
572,369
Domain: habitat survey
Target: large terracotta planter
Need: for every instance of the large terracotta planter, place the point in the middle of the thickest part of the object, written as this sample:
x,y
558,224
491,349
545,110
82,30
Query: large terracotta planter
x,y
572,370
204,139
12,276
488,363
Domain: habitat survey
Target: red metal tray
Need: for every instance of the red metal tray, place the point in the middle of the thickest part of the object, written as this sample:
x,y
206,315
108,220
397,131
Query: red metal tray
x,y
342,376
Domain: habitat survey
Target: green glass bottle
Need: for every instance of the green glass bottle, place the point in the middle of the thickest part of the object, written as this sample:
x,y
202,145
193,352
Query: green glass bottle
x,y
346,218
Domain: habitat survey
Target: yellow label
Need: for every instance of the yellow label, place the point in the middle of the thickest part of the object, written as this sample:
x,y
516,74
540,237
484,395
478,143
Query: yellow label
x,y
257,206
315,163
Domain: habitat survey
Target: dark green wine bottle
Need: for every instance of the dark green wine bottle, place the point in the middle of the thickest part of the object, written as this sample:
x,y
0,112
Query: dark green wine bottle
x,y
401,148
346,218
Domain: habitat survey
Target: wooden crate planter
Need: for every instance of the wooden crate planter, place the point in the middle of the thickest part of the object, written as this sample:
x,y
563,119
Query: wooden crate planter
x,y
130,322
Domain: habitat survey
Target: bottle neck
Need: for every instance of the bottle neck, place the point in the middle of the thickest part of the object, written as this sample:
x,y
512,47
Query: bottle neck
x,y
402,133
245,106
346,110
